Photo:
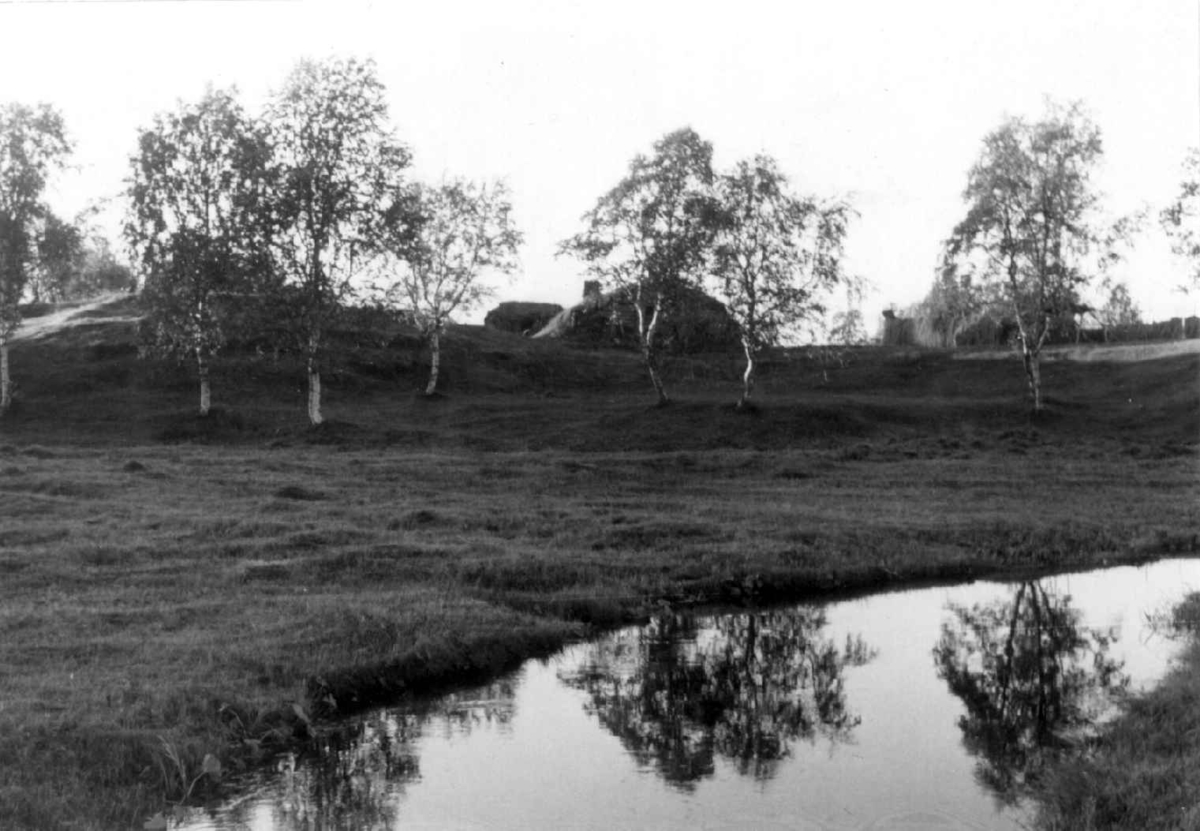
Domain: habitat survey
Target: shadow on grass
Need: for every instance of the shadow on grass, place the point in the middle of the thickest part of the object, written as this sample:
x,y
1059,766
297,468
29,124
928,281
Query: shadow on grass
x,y
218,425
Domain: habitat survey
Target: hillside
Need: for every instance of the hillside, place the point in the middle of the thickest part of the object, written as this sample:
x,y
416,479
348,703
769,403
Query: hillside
x,y
82,381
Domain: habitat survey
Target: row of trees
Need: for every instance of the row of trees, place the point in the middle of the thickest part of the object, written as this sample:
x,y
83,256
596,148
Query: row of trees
x,y
305,205
297,210
771,256
293,206
1032,240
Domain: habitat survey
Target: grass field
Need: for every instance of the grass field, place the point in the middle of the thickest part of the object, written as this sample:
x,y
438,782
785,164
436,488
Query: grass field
x,y
173,587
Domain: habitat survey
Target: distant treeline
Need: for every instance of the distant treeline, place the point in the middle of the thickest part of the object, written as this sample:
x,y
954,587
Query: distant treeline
x,y
1001,332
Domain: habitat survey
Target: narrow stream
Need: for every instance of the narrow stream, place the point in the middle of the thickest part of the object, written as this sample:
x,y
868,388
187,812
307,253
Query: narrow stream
x,y
927,708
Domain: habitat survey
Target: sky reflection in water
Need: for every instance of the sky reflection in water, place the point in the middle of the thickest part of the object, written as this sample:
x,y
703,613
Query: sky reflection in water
x,y
926,708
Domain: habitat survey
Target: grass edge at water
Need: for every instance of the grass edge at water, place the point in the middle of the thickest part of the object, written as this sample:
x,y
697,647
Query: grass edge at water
x,y
1143,771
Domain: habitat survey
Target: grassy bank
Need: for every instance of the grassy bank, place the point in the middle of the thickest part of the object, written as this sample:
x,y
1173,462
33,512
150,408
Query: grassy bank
x,y
1143,771
175,587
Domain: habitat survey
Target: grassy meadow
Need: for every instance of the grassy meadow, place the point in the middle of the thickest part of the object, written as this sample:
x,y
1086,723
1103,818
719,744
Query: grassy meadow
x,y
173,587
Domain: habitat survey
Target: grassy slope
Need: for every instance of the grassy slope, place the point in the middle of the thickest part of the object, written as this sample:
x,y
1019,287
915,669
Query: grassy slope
x,y
172,585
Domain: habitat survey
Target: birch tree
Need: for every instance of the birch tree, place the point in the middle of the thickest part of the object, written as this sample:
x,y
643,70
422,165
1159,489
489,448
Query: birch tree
x,y
1031,224
197,224
777,256
446,239
33,145
650,236
336,158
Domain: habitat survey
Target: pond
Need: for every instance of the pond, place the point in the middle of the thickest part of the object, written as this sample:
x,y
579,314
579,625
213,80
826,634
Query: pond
x,y
927,708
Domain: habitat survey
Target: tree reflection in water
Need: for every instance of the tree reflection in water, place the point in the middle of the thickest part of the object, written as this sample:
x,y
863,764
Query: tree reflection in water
x,y
681,691
1031,677
355,778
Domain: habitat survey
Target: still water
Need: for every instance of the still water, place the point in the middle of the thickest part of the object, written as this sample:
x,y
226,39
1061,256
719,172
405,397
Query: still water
x,y
927,708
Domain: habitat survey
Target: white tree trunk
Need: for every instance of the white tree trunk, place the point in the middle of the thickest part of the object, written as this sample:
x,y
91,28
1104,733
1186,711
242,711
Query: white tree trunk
x,y
314,377
1035,381
205,389
1031,354
1033,373
435,360
646,332
314,393
5,380
748,375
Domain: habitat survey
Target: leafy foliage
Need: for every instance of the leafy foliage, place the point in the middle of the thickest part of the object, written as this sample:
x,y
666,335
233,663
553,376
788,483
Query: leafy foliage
x,y
776,256
335,160
651,234
33,144
1119,308
848,328
446,238
954,302
74,262
1181,220
60,247
1030,226
198,223
1028,674
745,688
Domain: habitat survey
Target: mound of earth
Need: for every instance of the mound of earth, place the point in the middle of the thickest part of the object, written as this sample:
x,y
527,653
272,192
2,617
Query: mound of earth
x,y
519,318
696,323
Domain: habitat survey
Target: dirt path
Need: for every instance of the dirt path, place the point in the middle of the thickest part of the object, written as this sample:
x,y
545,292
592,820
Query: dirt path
x,y
39,327
1121,353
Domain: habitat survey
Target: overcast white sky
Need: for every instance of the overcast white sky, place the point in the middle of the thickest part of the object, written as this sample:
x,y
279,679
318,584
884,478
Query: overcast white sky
x,y
886,102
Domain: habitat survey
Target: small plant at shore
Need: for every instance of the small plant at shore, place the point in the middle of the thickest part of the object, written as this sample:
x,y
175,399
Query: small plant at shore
x,y
177,778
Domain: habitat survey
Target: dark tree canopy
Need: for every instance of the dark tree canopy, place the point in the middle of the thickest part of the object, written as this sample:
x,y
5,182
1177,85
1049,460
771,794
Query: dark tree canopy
x,y
199,224
680,694
33,145
1028,673
60,250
